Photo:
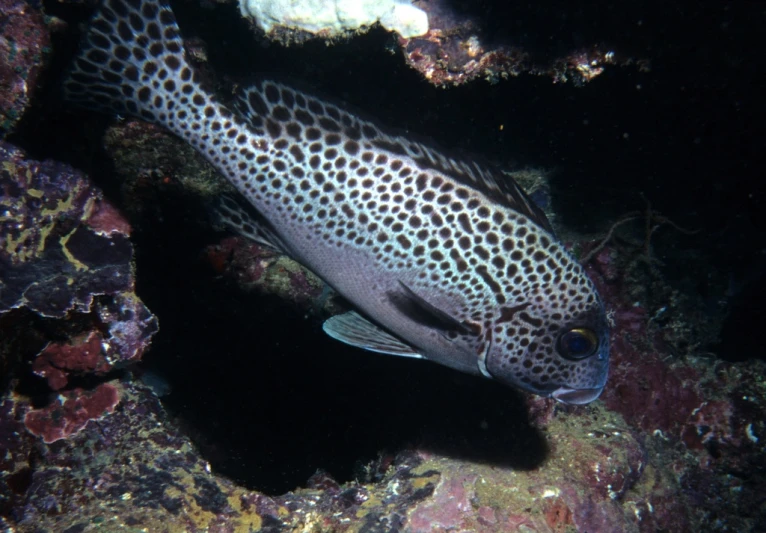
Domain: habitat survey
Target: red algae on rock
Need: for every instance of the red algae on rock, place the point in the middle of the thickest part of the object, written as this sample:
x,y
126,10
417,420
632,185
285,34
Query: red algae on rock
x,y
71,411
81,354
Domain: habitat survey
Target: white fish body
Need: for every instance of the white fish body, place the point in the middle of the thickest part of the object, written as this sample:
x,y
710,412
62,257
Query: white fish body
x,y
444,259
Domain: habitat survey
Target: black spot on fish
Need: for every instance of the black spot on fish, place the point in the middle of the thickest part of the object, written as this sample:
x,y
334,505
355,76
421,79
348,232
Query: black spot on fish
x,y
304,118
273,128
153,31
329,125
272,93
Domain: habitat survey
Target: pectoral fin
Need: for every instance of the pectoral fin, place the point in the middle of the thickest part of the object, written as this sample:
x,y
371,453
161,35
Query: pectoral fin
x,y
352,329
423,312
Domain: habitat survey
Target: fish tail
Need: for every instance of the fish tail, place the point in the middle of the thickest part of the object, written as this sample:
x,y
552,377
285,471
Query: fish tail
x,y
132,63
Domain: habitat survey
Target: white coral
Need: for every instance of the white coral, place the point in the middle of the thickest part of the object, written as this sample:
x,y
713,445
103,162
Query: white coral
x,y
336,16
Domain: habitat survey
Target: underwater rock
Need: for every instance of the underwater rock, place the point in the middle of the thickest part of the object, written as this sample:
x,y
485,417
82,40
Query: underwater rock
x,y
24,48
702,420
71,411
458,48
62,243
447,44
134,468
66,277
253,267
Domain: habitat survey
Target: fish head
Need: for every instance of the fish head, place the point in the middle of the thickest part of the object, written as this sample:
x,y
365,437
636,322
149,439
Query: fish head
x,y
551,346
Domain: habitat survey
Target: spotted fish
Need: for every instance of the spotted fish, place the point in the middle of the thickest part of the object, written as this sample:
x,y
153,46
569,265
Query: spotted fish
x,y
443,258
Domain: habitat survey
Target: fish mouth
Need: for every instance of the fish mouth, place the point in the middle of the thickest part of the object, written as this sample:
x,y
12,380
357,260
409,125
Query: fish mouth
x,y
576,396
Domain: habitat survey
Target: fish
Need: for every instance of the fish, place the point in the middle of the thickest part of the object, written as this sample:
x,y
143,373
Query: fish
x,y
441,257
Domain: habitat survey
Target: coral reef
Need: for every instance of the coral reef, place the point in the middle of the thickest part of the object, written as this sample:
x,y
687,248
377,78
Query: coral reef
x,y
654,454
676,442
67,287
132,469
329,18
65,254
24,47
454,52
62,243
444,42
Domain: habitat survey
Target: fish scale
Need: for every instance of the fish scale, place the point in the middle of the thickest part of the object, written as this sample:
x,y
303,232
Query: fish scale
x,y
444,258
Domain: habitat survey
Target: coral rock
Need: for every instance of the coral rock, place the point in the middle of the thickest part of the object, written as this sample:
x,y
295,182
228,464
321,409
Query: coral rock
x,y
24,46
81,354
54,260
71,412
65,254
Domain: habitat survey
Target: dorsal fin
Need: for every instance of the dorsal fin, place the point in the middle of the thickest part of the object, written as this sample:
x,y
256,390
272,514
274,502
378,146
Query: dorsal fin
x,y
260,104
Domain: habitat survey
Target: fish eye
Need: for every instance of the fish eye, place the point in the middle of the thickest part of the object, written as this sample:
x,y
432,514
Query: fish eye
x,y
577,343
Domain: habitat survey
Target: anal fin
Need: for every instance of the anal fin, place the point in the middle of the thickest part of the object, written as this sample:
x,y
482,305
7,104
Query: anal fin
x,y
351,328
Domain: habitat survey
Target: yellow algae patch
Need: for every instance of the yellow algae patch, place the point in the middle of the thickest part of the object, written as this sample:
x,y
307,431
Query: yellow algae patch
x,y
62,204
78,265
9,167
247,521
421,482
373,501
16,246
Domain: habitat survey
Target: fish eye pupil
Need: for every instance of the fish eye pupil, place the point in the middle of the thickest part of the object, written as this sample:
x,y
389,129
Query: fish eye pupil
x,y
577,344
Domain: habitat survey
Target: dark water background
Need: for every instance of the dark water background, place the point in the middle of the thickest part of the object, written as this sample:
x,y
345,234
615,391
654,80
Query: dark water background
x,y
269,398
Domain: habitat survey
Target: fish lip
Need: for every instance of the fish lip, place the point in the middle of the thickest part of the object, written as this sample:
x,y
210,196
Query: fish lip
x,y
576,396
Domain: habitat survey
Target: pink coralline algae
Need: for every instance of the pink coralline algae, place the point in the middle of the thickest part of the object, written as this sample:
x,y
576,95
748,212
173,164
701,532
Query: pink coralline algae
x,y
71,412
653,390
81,354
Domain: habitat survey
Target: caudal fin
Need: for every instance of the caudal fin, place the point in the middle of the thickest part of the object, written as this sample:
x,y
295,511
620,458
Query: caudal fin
x,y
132,62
